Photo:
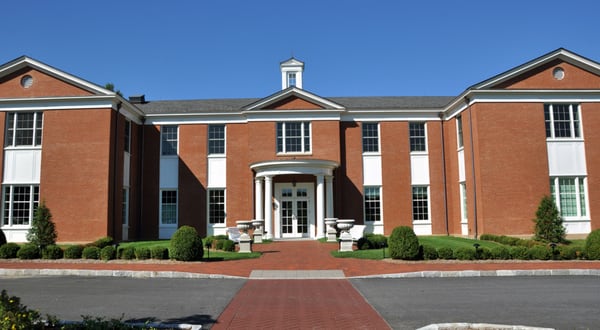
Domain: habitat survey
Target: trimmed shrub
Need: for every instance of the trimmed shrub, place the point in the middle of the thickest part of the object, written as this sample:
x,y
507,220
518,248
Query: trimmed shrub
x,y
103,242
142,253
9,250
519,253
445,253
539,252
566,252
29,251
159,252
52,252
465,253
127,253
403,244
108,253
42,232
429,252
592,245
73,252
228,245
372,241
91,252
500,253
548,222
483,253
186,245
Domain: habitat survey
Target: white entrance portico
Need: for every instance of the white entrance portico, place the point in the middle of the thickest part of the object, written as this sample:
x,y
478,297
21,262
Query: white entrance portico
x,y
293,209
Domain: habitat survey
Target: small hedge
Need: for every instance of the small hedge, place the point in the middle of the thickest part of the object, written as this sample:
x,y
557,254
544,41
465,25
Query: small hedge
x,y
500,253
404,244
445,253
127,253
159,252
29,251
592,245
73,252
186,245
372,241
429,252
9,250
91,252
464,253
52,252
108,253
142,253
228,245
103,242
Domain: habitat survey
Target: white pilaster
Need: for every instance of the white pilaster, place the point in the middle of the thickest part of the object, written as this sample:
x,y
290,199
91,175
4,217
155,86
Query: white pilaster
x,y
268,207
258,195
320,207
329,196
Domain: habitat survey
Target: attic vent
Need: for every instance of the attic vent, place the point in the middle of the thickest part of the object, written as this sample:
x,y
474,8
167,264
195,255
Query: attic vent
x,y
138,99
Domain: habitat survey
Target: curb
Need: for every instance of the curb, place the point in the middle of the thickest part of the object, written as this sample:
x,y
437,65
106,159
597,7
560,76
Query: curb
x,y
490,273
482,326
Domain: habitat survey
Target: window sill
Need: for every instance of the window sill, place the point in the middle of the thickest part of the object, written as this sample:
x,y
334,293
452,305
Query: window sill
x,y
371,153
564,140
216,155
421,222
217,225
419,153
283,154
173,225
23,148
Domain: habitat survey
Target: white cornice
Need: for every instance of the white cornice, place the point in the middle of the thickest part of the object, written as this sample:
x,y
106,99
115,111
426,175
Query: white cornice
x,y
301,93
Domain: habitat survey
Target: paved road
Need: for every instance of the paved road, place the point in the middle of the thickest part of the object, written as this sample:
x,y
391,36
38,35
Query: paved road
x,y
552,301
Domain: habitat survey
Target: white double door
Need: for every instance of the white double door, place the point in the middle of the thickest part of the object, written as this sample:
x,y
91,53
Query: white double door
x,y
294,217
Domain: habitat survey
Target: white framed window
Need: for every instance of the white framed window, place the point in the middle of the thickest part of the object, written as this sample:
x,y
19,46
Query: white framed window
x,y
570,196
125,207
127,136
168,207
24,129
291,79
216,206
562,121
293,137
19,204
372,203
459,132
370,137
417,137
420,203
463,202
169,139
216,139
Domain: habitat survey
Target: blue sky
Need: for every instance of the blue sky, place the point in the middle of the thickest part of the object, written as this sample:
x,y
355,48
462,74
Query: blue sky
x,y
227,49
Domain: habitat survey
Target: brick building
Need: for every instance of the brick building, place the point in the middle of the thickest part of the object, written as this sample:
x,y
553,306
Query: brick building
x,y
467,165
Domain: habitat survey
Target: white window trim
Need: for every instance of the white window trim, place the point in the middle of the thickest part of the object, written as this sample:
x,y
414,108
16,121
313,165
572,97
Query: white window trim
x,y
22,147
160,220
125,211
428,221
577,194
10,224
460,133
285,153
372,153
571,122
161,143
216,225
464,211
208,141
426,152
380,221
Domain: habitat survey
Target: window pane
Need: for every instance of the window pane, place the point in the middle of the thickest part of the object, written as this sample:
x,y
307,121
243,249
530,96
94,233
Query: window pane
x,y
169,207
216,139
418,140
372,204
10,129
293,137
562,120
568,197
582,198
547,120
576,128
216,206
280,137
370,133
125,208
21,205
169,140
6,216
420,203
306,136
459,130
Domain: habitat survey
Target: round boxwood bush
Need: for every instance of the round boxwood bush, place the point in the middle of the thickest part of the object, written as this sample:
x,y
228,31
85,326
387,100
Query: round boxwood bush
x,y
159,252
500,253
91,252
52,252
566,252
592,245
539,252
519,253
403,244
465,253
73,252
108,253
29,251
372,241
9,250
228,245
483,253
446,253
142,253
186,245
103,242
127,253
429,252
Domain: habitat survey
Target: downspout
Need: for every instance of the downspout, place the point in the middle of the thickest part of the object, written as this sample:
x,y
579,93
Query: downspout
x,y
115,181
473,167
441,114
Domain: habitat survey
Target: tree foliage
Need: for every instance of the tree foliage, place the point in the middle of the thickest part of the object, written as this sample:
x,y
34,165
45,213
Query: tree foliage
x,y
43,231
548,222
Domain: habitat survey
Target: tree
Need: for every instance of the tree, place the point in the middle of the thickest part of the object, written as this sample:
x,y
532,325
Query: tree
x,y
43,231
111,87
548,222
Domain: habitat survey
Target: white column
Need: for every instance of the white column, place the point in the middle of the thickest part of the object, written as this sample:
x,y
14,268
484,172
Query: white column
x,y
268,207
320,207
329,196
258,195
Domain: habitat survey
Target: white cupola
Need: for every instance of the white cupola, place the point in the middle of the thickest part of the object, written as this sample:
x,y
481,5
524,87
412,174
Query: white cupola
x,y
291,73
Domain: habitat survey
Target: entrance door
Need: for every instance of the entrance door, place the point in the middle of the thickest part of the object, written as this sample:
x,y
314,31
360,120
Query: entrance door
x,y
295,213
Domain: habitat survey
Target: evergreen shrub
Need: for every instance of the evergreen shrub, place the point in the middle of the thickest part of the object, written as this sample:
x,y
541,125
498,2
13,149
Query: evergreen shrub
x,y
159,252
483,253
500,253
445,253
108,253
43,231
567,252
464,253
29,251
403,244
429,252
592,245
52,252
519,253
103,242
91,252
548,222
73,252
127,253
9,250
142,253
186,245
228,245
539,252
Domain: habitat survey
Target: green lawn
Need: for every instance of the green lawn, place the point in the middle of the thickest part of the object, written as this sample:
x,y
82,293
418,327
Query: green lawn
x,y
454,242
213,255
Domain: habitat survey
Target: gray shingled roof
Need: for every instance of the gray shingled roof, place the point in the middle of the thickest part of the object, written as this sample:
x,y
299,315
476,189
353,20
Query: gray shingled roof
x,y
351,103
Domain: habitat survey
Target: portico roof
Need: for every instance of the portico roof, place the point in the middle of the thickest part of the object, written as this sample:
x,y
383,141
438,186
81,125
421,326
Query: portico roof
x,y
294,166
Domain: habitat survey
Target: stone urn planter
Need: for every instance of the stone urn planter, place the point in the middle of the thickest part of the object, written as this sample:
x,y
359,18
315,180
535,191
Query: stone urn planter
x,y
245,240
258,230
344,225
331,231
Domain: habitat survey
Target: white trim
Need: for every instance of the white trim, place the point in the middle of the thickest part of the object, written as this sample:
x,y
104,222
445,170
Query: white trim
x,y
300,93
299,166
311,201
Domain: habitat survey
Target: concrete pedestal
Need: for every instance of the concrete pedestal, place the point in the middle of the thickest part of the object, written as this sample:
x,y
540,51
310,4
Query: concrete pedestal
x,y
346,242
257,237
245,244
331,231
